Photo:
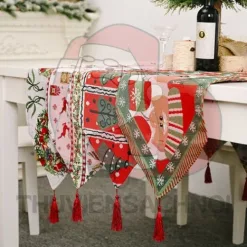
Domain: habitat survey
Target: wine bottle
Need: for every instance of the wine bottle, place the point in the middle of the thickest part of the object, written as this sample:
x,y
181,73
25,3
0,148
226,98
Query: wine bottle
x,y
207,38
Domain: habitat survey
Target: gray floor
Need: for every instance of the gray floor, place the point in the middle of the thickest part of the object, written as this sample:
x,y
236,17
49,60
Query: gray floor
x,y
210,222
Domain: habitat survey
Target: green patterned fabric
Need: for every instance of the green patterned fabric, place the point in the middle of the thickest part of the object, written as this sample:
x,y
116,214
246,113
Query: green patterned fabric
x,y
183,144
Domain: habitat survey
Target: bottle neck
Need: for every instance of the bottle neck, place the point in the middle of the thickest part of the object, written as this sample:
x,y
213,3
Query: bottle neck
x,y
209,2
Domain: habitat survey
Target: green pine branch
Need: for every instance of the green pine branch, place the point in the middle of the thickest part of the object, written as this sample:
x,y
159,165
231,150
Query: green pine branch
x,y
172,5
77,10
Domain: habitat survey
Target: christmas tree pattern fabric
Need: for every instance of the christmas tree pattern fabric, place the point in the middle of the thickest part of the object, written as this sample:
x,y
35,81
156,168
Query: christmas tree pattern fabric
x,y
100,125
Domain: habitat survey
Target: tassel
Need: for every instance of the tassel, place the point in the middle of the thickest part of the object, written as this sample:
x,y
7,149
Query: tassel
x,y
116,217
159,234
244,197
53,217
77,209
208,177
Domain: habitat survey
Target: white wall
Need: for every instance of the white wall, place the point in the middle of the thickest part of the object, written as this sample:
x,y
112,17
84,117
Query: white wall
x,y
144,15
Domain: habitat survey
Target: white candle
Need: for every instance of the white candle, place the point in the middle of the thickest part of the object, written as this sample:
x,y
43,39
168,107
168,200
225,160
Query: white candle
x,y
184,55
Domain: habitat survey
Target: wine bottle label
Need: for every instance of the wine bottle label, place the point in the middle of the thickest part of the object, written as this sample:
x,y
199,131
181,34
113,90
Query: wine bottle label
x,y
205,40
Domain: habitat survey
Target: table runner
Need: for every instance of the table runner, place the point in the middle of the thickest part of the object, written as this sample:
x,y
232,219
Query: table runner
x,y
88,119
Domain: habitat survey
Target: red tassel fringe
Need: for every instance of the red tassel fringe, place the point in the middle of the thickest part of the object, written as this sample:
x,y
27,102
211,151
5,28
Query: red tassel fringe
x,y
116,217
77,209
244,197
159,234
208,177
53,217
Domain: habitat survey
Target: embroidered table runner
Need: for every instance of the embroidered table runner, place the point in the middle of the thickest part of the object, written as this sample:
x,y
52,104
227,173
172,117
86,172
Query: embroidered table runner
x,y
82,121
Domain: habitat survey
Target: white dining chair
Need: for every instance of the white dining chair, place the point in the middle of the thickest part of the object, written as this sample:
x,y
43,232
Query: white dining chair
x,y
237,176
26,157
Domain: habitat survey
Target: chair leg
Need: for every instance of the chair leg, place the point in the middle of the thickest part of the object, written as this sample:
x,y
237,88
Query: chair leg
x,y
182,201
9,204
239,206
231,175
24,188
151,202
32,193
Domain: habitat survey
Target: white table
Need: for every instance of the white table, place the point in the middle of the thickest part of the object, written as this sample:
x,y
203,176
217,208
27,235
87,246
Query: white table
x,y
232,102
